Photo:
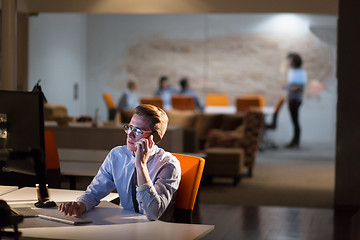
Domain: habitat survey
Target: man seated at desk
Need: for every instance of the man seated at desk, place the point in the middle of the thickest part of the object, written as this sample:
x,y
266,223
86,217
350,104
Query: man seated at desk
x,y
145,176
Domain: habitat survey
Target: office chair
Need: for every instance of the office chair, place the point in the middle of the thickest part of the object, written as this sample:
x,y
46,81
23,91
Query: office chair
x,y
183,102
215,99
156,101
265,141
244,103
52,160
110,105
191,172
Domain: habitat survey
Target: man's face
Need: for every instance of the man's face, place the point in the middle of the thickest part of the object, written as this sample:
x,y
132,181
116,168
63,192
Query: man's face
x,y
139,122
166,84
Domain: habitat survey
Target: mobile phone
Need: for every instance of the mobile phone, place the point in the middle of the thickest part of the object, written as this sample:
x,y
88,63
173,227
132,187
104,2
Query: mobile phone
x,y
156,137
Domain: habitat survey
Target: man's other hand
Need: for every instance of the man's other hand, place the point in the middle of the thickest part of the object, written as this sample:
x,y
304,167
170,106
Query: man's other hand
x,y
75,209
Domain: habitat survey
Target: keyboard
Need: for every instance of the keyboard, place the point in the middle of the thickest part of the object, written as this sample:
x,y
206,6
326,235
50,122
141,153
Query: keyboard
x,y
51,214
54,214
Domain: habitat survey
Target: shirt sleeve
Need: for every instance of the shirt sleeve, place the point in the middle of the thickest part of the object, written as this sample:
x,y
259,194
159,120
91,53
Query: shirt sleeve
x,y
155,196
100,186
198,102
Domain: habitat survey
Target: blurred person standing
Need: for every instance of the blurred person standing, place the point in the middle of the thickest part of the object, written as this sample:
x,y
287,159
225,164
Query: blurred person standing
x,y
296,80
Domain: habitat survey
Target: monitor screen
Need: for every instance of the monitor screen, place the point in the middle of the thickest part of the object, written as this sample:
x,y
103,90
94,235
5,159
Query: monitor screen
x,y
22,144
25,121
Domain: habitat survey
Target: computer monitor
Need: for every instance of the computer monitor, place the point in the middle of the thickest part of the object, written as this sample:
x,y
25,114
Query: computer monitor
x,y
22,144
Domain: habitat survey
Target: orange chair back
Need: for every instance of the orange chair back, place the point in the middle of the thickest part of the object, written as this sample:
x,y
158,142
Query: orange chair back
x,y
109,100
156,101
183,102
260,98
214,99
51,152
244,103
191,172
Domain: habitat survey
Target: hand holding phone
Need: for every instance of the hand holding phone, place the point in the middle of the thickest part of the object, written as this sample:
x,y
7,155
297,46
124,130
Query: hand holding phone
x,y
145,146
143,149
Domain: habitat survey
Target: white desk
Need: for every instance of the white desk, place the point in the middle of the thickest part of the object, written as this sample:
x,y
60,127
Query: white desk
x,y
29,195
155,230
7,189
109,222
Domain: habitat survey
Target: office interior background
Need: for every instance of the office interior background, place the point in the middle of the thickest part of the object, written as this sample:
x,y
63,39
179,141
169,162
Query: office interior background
x,y
78,57
347,181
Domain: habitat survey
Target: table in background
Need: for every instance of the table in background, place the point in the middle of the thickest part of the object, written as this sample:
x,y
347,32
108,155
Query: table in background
x,y
267,110
109,221
29,195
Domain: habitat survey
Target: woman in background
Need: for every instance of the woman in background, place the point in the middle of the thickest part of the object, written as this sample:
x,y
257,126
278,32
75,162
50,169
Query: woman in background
x,y
296,78
165,91
129,99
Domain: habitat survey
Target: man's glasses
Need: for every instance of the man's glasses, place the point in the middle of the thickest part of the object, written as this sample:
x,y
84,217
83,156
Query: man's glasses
x,y
137,131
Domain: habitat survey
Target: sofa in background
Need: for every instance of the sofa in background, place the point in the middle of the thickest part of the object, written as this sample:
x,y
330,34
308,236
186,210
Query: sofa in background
x,y
57,113
224,162
246,137
197,126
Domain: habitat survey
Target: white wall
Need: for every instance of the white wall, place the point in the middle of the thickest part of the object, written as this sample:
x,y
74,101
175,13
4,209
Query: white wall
x,y
109,39
57,56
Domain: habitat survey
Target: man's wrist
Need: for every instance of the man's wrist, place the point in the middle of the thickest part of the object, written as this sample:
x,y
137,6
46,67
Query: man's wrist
x,y
82,206
144,186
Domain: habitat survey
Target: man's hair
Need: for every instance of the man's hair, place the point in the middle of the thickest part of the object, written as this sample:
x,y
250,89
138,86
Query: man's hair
x,y
157,117
162,80
296,61
183,83
132,81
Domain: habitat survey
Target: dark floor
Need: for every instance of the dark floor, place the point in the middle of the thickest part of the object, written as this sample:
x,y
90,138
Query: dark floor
x,y
277,223
278,173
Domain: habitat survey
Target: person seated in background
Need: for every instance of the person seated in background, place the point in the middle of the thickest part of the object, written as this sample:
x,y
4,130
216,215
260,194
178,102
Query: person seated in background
x,y
165,91
129,99
145,176
185,89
